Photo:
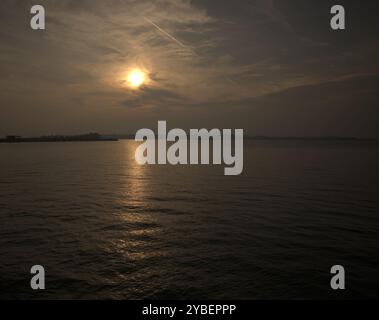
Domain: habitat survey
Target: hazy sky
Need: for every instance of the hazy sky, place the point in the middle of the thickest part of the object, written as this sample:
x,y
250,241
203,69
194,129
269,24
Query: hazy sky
x,y
269,67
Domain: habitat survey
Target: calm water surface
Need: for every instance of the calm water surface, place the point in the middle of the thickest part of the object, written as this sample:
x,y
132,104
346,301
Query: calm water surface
x,y
104,227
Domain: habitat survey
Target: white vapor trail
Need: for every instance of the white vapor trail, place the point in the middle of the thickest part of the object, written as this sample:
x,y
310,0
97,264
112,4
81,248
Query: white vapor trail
x,y
171,37
180,44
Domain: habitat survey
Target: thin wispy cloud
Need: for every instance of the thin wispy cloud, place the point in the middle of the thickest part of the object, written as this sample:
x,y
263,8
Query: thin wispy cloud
x,y
199,55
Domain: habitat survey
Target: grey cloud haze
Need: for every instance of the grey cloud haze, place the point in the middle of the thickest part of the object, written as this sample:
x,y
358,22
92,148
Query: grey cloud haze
x,y
270,67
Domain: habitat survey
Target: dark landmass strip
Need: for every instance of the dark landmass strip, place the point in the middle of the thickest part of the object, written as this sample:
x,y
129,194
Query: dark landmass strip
x,y
320,138
59,138
116,137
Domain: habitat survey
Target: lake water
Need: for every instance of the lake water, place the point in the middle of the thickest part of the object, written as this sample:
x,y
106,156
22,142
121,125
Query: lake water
x,y
104,227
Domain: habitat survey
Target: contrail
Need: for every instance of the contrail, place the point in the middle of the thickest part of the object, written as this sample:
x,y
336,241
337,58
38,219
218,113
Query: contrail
x,y
170,36
181,44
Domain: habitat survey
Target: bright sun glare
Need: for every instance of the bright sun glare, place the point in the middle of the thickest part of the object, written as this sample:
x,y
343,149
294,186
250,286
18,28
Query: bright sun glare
x,y
136,78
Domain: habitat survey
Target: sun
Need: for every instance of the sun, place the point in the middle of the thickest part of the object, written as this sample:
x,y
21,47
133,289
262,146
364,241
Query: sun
x,y
136,78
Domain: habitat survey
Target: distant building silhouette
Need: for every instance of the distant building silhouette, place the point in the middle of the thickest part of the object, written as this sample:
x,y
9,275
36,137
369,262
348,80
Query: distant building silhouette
x,y
12,138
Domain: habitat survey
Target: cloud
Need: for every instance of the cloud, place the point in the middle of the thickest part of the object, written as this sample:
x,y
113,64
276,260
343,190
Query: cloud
x,y
199,54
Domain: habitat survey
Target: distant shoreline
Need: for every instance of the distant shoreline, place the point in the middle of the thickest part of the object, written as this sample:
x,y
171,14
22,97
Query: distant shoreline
x,y
91,137
94,137
321,138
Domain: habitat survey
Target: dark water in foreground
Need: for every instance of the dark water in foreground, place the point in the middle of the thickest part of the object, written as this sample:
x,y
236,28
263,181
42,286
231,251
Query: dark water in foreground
x,y
104,227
